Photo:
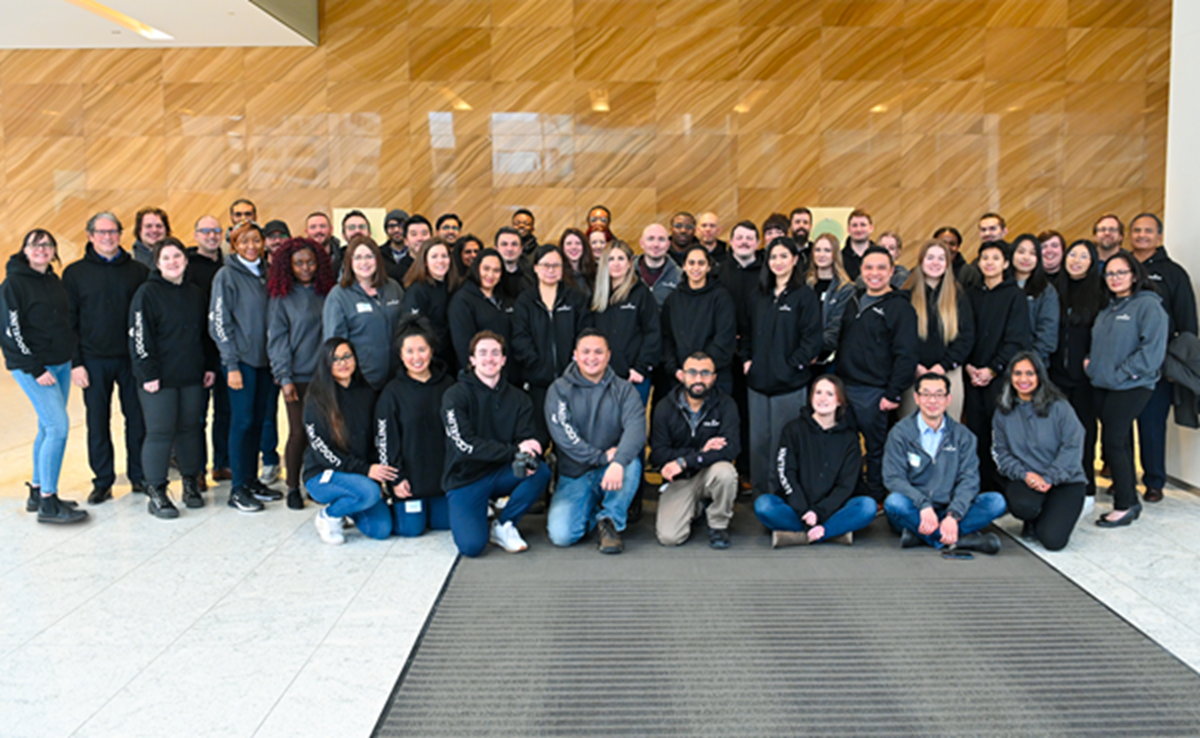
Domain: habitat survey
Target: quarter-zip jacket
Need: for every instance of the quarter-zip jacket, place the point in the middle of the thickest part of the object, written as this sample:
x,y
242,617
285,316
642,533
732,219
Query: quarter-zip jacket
x,y
37,329
237,315
1129,343
470,311
431,301
784,339
1043,322
634,331
878,344
673,435
587,418
1172,282
406,416
294,330
1001,325
544,338
369,322
670,279
933,350
100,292
699,320
356,453
833,305
950,479
167,323
817,468
483,426
1051,446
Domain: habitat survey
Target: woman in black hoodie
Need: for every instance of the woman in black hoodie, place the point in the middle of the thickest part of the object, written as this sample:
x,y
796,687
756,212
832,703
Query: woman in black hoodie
x,y
480,305
627,313
1001,330
410,405
785,337
427,289
819,460
38,345
167,321
339,416
546,321
700,316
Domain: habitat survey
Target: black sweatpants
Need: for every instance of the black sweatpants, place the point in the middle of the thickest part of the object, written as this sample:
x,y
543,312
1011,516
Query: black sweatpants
x,y
1083,402
1053,513
1117,410
173,417
979,405
97,399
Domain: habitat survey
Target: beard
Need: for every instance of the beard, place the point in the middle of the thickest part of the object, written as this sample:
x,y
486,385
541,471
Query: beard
x,y
698,391
800,237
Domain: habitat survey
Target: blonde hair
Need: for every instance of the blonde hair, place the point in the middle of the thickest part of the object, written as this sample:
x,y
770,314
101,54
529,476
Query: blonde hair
x,y
947,304
606,294
839,271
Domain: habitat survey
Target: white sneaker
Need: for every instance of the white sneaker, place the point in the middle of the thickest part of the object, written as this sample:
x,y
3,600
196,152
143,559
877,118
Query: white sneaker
x,y
506,537
330,529
1089,503
270,474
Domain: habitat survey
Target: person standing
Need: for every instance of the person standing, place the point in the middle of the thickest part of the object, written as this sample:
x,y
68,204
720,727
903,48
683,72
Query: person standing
x,y
364,309
100,287
167,319
38,344
151,226
1043,300
833,289
699,315
427,289
481,305
627,314
204,261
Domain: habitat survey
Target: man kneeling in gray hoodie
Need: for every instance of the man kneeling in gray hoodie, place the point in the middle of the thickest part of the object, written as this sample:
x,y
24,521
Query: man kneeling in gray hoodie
x,y
598,424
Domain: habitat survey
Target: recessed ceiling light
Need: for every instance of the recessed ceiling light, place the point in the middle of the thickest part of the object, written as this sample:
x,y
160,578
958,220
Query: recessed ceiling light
x,y
122,20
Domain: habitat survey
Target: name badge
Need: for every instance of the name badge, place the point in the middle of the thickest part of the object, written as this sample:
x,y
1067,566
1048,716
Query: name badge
x,y
914,460
412,506
326,476
364,307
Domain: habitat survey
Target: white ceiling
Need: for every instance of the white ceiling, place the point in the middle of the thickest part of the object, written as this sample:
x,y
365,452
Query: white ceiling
x,y
57,24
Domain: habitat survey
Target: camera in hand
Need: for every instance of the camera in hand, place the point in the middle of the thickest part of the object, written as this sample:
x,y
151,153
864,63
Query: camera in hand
x,y
523,463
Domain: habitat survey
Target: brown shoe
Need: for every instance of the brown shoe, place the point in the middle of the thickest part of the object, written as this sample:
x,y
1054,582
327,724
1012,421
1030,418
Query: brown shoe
x,y
202,482
222,474
610,540
1153,494
846,539
785,538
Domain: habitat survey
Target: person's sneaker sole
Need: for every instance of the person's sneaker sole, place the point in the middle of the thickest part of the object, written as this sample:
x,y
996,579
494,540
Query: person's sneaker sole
x,y
244,507
163,513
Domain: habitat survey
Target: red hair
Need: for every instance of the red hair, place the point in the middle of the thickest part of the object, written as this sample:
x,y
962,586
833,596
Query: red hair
x,y
608,235
280,279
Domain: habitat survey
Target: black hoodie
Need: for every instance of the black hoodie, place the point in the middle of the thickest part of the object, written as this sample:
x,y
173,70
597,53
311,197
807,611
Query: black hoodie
x,y
784,340
932,350
851,261
406,415
470,312
483,427
698,320
877,346
356,453
672,435
37,331
634,331
817,469
544,340
100,292
1171,281
742,282
167,325
431,301
1001,325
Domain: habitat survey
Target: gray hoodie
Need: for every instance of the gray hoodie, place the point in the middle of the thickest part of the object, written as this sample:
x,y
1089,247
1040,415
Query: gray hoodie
x,y
294,331
1051,446
237,315
367,322
586,419
1129,343
670,278
1043,319
950,480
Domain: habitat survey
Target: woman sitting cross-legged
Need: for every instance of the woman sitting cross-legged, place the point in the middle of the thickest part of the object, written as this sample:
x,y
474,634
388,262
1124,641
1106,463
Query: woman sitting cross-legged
x,y
339,416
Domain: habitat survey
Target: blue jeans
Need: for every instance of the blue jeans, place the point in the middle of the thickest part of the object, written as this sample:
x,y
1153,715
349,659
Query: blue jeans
x,y
579,502
247,412
1152,434
774,512
903,514
643,389
356,496
468,505
411,518
50,404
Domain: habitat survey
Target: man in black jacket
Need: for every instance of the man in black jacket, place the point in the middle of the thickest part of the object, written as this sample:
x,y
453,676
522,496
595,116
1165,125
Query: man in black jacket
x,y
100,287
204,259
876,358
694,439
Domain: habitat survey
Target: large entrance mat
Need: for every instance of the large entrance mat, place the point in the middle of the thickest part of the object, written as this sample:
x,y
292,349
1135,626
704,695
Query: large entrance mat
x,y
825,640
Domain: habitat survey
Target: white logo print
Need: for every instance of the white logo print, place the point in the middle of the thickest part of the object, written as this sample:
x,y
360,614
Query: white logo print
x,y
318,445
381,441
14,331
139,336
453,434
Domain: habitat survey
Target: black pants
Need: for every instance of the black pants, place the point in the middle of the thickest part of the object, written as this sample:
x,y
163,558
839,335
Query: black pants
x,y
1083,402
979,405
1117,411
97,398
872,423
293,453
1053,514
173,416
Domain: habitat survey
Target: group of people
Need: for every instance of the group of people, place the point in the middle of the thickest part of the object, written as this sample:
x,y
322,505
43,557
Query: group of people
x,y
432,381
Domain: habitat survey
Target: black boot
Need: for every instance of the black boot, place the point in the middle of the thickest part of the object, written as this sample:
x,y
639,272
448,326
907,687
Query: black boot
x,y
191,493
295,501
985,543
35,498
160,505
53,510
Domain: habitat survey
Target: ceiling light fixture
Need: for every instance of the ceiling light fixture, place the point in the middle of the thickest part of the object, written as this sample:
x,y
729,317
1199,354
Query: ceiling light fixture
x,y
122,20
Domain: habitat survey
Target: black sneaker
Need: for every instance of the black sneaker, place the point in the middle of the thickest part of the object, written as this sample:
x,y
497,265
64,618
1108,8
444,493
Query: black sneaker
x,y
718,538
52,510
243,500
262,491
160,505
191,493
295,501
609,539
138,488
100,495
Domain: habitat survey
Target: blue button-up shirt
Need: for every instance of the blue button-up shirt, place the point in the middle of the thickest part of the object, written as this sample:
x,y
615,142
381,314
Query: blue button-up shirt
x,y
931,439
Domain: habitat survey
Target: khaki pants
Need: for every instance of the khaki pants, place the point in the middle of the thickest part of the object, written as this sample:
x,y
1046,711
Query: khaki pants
x,y
680,501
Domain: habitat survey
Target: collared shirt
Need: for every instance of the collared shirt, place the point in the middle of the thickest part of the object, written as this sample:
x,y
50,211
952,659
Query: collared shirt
x,y
931,439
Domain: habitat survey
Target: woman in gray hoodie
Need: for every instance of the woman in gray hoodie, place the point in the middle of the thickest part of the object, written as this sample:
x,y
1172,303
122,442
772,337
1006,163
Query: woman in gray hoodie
x,y
1129,344
364,309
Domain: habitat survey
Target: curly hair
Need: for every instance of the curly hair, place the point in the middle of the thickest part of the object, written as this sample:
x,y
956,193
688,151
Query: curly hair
x,y
279,274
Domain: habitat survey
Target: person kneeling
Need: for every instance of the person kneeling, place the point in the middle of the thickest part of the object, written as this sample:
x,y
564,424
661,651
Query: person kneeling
x,y
932,471
817,468
339,414
694,440
598,424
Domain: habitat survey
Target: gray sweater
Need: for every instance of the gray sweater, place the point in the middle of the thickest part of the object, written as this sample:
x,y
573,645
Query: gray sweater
x,y
1051,446
586,419
951,480
1043,319
237,315
294,330
1129,343
367,322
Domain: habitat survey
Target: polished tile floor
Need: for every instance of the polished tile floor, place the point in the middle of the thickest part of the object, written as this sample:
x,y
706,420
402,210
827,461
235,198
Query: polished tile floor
x,y
226,624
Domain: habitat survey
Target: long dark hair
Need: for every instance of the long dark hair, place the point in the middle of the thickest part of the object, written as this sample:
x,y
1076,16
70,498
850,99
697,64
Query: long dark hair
x,y
766,278
1044,396
281,280
1081,299
1038,281
1141,280
322,391
419,271
587,262
415,325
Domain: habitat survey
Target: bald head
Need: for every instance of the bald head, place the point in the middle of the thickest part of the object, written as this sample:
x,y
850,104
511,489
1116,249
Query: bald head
x,y
654,242
708,229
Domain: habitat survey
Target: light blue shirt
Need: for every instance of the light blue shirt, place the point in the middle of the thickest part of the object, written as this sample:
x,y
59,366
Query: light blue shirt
x,y
930,439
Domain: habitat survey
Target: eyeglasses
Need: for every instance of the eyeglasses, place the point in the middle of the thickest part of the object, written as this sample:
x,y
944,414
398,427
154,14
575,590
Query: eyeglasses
x,y
551,267
701,373
208,231
1117,273
107,232
448,227
42,245
933,395
343,358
